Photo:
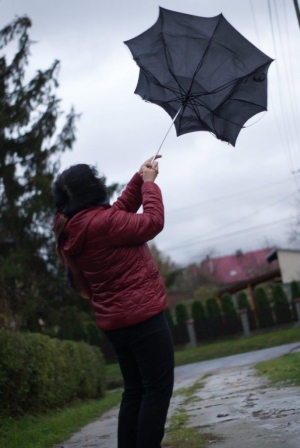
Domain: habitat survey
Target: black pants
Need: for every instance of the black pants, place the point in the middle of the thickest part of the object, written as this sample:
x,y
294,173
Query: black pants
x,y
146,357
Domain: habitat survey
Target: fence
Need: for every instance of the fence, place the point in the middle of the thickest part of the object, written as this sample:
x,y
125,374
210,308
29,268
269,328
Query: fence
x,y
208,329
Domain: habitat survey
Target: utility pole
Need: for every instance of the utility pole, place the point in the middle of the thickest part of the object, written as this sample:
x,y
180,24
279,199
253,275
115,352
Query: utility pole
x,y
297,10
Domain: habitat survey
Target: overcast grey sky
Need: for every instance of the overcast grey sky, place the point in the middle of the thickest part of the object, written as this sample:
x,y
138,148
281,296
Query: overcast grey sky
x,y
217,197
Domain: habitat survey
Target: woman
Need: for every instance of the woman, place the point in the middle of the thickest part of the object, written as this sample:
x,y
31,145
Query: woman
x,y
105,250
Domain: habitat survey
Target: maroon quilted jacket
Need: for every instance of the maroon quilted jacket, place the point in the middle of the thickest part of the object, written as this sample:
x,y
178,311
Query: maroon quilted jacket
x,y
108,246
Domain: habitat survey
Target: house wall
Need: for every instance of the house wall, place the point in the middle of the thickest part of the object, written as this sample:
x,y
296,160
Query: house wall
x,y
289,263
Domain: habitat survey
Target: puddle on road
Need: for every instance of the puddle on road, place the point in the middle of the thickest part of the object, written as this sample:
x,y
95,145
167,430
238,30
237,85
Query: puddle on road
x,y
239,406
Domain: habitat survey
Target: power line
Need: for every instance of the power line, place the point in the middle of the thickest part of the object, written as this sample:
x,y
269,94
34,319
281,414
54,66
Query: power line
x,y
191,240
254,20
238,232
233,194
289,152
287,77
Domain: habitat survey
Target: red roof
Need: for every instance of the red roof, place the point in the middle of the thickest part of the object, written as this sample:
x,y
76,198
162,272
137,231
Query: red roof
x,y
239,267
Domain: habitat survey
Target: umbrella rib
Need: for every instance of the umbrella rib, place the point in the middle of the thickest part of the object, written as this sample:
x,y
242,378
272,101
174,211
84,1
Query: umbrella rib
x,y
212,112
157,83
194,109
203,56
165,47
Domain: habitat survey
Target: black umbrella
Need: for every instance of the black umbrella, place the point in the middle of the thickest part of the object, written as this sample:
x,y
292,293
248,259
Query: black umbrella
x,y
202,70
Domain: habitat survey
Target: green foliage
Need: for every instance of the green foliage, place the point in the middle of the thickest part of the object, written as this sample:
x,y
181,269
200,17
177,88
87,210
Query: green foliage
x,y
261,298
31,145
243,302
181,313
169,317
205,291
49,429
212,308
39,373
295,290
284,369
227,305
34,132
278,294
198,312
168,269
264,311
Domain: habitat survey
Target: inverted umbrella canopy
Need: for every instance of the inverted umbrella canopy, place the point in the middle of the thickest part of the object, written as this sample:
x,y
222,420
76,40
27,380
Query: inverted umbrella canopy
x,y
204,68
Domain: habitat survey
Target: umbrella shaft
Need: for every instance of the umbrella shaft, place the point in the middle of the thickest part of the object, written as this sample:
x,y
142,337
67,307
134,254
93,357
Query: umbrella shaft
x,y
167,134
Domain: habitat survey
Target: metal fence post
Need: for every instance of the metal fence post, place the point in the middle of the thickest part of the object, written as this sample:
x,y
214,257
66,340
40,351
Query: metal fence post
x,y
191,332
245,322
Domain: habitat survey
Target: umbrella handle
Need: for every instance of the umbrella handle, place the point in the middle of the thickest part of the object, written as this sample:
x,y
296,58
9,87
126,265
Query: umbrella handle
x,y
167,133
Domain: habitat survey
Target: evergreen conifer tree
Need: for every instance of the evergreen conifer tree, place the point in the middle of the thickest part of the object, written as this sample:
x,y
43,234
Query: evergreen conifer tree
x,y
264,311
295,290
181,313
198,312
227,305
212,308
30,147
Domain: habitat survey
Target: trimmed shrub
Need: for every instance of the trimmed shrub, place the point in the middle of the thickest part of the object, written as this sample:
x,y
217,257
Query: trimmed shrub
x,y
227,305
169,317
281,305
278,294
39,373
295,290
181,313
212,308
232,323
198,312
243,303
214,317
201,325
295,294
264,311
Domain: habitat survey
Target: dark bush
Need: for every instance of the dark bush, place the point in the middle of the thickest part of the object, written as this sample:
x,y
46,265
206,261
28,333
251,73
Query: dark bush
x,y
169,317
243,303
212,308
264,311
295,293
214,317
232,323
278,294
181,313
295,290
227,305
38,373
281,305
198,312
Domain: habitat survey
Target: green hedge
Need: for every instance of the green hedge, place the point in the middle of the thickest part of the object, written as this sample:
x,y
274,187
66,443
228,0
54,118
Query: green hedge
x,y
181,313
38,373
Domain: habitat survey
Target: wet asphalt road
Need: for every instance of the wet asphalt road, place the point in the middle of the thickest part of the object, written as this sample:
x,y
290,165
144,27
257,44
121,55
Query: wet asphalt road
x,y
235,405
184,374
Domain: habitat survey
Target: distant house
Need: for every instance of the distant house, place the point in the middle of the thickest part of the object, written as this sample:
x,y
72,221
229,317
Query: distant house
x,y
288,261
240,267
233,273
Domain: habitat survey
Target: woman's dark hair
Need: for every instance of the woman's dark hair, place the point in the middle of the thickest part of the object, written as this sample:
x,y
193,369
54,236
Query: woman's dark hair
x,y
77,188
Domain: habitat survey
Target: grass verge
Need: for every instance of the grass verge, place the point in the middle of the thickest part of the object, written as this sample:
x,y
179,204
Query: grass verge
x,y
46,430
220,349
285,369
177,433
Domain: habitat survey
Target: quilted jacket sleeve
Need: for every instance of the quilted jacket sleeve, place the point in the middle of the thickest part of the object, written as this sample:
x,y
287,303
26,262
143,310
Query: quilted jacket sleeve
x,y
131,198
131,228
